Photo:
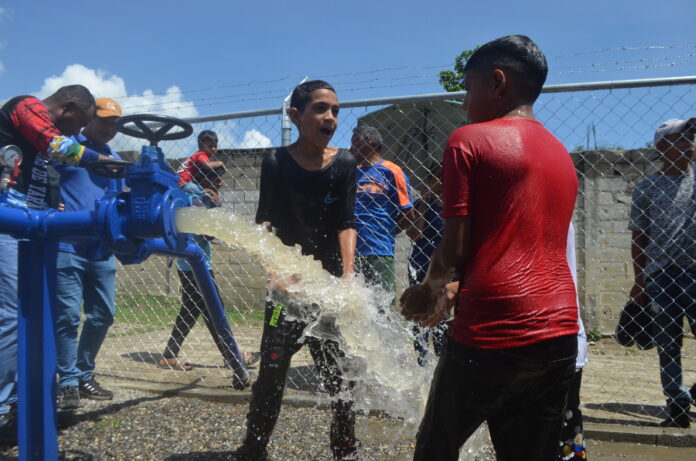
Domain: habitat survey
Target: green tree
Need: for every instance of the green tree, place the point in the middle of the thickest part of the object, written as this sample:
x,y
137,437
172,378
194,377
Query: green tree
x,y
454,80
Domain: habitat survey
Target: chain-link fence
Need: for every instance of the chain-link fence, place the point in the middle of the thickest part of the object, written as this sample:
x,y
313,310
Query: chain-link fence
x,y
609,129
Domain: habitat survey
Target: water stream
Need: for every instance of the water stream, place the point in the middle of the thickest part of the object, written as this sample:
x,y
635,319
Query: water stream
x,y
377,341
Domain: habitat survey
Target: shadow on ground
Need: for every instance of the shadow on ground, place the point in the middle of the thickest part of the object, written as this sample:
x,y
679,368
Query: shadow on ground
x,y
68,419
202,456
637,413
304,378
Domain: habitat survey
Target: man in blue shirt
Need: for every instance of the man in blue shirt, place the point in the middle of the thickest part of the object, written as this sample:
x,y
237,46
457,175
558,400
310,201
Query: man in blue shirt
x,y
383,208
79,279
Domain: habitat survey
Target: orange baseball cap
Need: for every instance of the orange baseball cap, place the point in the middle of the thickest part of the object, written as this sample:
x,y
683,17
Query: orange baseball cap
x,y
107,107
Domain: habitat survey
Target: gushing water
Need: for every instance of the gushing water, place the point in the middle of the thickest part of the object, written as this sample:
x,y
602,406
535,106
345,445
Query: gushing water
x,y
376,340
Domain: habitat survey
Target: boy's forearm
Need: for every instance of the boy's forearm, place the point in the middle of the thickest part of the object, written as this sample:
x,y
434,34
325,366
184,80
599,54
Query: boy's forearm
x,y
346,243
638,243
450,257
408,223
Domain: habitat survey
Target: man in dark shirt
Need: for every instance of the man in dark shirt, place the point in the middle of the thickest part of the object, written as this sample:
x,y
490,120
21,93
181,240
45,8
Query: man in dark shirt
x,y
307,195
41,129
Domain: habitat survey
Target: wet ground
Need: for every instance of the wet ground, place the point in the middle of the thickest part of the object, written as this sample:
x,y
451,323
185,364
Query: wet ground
x,y
139,425
605,451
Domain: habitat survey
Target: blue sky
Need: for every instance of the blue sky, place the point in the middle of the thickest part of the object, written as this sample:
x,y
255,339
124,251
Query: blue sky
x,y
209,57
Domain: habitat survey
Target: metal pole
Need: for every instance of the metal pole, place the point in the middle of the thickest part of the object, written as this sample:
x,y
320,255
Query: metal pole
x,y
285,123
37,434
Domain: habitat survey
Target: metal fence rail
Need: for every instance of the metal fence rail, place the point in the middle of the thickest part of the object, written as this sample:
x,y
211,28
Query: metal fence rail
x,y
607,126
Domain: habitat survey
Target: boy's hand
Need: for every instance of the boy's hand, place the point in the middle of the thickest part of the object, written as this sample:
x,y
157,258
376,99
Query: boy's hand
x,y
443,306
418,302
281,284
213,195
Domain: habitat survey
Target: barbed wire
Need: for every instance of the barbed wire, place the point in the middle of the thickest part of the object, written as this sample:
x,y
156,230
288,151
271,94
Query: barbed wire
x,y
281,93
627,61
624,48
653,66
411,67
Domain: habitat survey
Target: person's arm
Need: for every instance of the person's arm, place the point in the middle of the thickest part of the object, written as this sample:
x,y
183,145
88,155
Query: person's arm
x,y
638,243
402,198
346,244
345,218
639,221
212,164
407,222
31,118
429,302
267,184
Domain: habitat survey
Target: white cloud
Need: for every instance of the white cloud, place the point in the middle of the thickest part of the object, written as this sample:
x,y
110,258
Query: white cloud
x,y
2,67
4,14
101,84
254,139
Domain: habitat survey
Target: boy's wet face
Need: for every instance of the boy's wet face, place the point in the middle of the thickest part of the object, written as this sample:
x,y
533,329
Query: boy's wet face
x,y
318,121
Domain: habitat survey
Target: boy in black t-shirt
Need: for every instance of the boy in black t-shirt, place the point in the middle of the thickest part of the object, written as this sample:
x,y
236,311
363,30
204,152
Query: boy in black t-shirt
x,y
307,196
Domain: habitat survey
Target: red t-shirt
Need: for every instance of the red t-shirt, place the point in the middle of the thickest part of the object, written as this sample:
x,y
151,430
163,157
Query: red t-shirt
x,y
191,166
518,184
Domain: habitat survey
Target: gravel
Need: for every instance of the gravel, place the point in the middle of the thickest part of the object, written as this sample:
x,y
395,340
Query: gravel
x,y
138,425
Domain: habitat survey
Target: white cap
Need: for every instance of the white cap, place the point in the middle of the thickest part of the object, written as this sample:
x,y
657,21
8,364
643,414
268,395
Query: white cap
x,y
672,126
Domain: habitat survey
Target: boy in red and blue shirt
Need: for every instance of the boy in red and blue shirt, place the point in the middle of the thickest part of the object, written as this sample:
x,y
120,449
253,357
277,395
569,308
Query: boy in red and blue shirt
x,y
200,163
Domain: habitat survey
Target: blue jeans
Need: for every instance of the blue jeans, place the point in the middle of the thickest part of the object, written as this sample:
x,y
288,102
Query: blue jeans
x,y
8,323
79,279
673,297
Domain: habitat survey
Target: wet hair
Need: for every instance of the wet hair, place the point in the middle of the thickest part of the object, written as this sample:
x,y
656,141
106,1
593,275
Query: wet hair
x,y
302,93
207,135
518,55
77,94
368,133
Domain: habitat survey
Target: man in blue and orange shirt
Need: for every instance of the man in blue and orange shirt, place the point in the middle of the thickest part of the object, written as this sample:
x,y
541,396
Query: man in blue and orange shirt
x,y
383,208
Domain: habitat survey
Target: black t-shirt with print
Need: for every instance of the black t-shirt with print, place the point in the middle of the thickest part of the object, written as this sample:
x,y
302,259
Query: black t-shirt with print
x,y
309,207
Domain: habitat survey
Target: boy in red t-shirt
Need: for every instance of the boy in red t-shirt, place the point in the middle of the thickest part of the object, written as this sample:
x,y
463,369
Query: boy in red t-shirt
x,y
509,193
200,163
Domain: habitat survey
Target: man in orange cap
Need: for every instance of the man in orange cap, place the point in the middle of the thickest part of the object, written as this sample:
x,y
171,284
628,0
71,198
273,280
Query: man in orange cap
x,y
80,280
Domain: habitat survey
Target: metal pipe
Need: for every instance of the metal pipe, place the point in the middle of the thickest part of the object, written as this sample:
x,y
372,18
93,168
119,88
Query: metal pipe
x,y
36,365
458,95
208,289
69,226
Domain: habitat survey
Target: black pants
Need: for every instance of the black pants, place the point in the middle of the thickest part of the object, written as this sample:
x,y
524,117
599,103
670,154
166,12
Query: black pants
x,y
521,393
572,418
279,343
192,306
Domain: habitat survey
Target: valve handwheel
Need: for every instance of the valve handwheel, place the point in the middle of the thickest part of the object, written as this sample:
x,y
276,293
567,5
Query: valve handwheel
x,y
154,128
111,168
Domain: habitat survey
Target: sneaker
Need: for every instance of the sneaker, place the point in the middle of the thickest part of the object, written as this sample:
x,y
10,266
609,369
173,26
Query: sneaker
x,y
92,390
68,398
678,417
245,453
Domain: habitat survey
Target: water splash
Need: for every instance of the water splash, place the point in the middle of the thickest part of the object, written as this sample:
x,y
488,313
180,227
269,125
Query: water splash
x,y
377,341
